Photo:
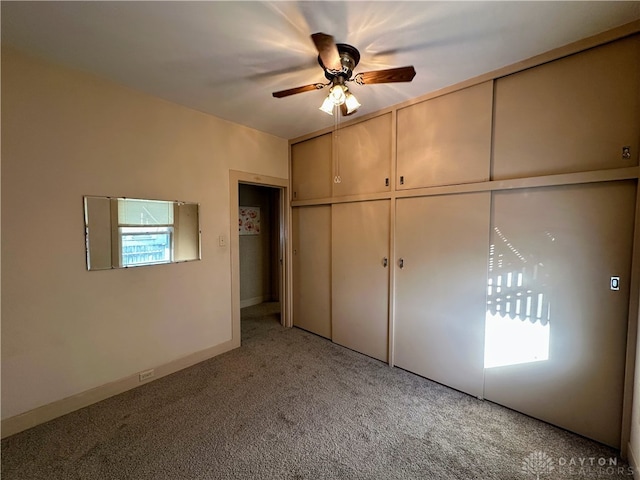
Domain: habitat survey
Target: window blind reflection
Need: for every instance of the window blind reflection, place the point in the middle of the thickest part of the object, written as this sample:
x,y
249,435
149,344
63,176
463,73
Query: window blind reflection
x,y
517,323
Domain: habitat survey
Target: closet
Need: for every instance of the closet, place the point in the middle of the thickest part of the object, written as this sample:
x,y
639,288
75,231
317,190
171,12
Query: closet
x,y
483,238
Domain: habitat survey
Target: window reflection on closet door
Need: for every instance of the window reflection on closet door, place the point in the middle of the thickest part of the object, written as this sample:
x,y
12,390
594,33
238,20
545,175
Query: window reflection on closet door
x,y
555,336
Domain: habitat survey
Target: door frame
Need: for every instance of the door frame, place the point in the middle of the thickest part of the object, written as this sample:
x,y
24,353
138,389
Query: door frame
x,y
282,184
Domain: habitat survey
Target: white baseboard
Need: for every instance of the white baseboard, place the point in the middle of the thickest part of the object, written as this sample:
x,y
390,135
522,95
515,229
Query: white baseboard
x,y
249,302
24,421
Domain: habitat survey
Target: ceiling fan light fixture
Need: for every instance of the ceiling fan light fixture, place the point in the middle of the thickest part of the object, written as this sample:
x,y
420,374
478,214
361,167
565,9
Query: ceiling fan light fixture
x,y
351,102
338,94
328,105
338,60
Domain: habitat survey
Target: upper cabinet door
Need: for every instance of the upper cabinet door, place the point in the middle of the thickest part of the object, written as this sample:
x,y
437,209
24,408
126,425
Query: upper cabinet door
x,y
363,159
573,114
446,140
311,168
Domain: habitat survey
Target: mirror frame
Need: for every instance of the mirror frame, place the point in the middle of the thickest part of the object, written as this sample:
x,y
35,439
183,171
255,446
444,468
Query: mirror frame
x,y
101,214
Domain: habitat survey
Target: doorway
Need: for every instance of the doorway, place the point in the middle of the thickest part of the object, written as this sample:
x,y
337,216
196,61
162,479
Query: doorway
x,y
259,251
259,246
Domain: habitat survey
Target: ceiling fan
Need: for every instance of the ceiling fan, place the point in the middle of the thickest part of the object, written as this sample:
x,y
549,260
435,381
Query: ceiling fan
x,y
338,60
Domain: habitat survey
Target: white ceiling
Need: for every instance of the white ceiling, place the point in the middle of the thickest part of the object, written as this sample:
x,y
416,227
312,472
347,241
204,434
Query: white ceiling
x,y
226,58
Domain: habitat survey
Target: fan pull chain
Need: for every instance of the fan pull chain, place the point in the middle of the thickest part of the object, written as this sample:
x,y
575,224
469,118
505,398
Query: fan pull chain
x,y
336,124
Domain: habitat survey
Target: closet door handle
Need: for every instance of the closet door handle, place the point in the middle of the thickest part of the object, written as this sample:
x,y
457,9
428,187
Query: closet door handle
x,y
385,261
401,263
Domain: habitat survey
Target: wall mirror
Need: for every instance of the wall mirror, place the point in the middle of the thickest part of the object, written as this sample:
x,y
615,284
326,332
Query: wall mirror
x,y
129,232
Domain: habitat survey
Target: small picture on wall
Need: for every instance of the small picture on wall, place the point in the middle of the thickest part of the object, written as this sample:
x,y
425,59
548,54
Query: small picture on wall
x,y
249,221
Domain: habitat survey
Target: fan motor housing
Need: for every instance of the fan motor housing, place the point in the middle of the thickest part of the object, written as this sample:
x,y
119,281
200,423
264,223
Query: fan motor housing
x,y
349,58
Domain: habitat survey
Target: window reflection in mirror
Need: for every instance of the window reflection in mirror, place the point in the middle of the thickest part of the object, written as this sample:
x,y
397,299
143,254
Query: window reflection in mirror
x,y
126,232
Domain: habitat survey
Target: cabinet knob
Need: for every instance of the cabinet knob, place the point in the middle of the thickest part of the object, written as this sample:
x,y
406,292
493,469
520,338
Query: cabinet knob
x,y
401,263
385,261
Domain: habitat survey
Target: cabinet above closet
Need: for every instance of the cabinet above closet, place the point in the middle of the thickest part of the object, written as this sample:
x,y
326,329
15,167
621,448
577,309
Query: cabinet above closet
x,y
351,160
574,114
446,140
363,159
311,172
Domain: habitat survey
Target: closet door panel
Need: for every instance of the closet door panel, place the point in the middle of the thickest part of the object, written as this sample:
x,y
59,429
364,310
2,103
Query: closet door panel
x,y
311,168
446,140
441,275
312,269
569,115
560,354
364,157
360,276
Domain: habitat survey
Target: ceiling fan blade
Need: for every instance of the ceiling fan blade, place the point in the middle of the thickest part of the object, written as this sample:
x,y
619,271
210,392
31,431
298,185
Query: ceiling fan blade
x,y
400,74
293,91
327,50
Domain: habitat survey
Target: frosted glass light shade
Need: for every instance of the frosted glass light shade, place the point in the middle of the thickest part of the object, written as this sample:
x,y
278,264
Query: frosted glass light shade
x,y
340,95
327,105
351,103
337,94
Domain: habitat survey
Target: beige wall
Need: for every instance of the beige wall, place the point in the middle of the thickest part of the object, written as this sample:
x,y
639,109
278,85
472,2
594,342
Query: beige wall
x,y
66,134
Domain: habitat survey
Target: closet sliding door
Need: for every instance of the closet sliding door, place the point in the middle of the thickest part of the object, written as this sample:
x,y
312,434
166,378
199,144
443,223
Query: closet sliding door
x,y
312,269
556,325
441,275
360,276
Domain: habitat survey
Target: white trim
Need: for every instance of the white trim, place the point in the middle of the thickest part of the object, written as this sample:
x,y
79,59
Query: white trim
x,y
235,178
24,421
577,178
